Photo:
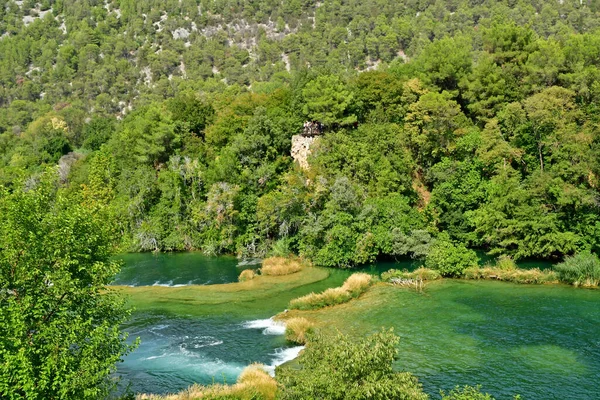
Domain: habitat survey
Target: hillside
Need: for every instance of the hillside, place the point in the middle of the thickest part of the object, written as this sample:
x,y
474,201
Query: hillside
x,y
470,122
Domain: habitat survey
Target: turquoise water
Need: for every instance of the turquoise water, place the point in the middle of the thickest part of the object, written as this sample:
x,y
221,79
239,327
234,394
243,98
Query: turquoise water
x,y
542,342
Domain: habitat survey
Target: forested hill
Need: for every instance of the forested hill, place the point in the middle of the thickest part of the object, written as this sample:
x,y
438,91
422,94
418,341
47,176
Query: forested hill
x,y
463,122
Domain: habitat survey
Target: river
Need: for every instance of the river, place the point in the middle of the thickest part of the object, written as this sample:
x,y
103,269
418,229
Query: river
x,y
538,341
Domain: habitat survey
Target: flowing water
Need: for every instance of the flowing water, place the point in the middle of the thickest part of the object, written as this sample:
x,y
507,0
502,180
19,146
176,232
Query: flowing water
x,y
541,342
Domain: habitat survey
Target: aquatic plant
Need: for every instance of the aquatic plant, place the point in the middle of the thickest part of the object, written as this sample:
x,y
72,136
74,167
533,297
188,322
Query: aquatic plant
x,y
421,273
466,393
297,329
280,266
517,275
254,383
582,269
246,275
353,287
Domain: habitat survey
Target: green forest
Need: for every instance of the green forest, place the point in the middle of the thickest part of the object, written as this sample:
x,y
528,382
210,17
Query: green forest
x,y
137,126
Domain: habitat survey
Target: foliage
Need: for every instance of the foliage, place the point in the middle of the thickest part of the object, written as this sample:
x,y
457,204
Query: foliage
x,y
516,275
341,368
582,269
450,259
419,273
60,335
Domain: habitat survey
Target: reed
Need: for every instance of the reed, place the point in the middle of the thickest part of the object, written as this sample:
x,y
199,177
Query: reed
x,y
277,266
254,383
247,275
517,275
353,287
582,269
424,274
297,329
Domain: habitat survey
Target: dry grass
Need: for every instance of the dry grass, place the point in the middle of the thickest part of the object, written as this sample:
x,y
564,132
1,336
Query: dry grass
x,y
425,274
353,286
277,266
357,283
254,383
532,276
247,275
297,329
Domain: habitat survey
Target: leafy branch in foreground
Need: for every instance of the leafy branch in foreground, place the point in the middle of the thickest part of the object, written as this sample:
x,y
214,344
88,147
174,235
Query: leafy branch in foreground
x,y
59,325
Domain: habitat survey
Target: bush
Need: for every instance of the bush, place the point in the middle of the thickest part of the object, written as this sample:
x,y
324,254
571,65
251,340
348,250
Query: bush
x,y
582,269
353,287
280,266
506,263
450,259
344,368
247,275
297,329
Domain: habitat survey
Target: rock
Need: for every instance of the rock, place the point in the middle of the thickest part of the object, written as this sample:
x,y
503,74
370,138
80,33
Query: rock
x,y
301,149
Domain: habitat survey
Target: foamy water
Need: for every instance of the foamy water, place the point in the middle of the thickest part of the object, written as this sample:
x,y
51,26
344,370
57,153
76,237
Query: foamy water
x,y
269,326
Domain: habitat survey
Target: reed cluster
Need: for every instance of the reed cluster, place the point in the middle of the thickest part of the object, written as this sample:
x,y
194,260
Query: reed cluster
x,y
247,275
254,383
424,274
276,266
582,269
297,329
531,276
353,287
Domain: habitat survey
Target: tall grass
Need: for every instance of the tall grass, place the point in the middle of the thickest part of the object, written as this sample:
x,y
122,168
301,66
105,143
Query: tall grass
x,y
353,287
425,274
582,269
254,383
247,275
530,276
297,329
280,266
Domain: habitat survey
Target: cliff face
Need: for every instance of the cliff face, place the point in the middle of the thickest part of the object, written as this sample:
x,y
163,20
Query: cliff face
x,y
301,149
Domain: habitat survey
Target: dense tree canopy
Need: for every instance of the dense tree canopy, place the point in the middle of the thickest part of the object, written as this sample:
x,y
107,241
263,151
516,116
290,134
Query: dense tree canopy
x,y
479,121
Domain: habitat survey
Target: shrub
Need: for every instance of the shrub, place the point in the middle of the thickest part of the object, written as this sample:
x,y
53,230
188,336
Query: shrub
x,y
450,259
506,263
297,329
280,266
341,367
582,269
353,287
247,275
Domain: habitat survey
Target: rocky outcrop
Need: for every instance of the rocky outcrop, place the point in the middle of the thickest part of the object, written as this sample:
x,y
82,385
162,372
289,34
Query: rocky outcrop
x,y
301,149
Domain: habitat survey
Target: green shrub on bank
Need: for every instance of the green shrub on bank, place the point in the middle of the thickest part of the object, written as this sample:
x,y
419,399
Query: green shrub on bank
x,y
340,367
506,263
450,259
353,287
582,269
